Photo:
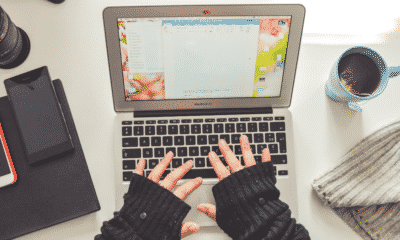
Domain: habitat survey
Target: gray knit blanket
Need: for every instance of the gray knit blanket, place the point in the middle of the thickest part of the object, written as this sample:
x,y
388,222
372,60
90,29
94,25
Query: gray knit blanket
x,y
364,187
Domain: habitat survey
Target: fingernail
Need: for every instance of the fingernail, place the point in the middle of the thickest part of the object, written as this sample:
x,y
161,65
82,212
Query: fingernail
x,y
199,179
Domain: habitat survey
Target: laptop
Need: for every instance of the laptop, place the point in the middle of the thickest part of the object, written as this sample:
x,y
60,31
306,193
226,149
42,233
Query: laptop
x,y
184,77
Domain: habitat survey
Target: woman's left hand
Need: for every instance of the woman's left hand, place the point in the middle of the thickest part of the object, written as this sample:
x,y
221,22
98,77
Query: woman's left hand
x,y
170,181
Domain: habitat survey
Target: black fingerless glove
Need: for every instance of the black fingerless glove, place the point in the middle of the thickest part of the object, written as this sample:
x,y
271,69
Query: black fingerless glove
x,y
248,206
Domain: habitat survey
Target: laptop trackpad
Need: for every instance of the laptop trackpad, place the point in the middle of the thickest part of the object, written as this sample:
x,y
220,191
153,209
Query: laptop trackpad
x,y
203,194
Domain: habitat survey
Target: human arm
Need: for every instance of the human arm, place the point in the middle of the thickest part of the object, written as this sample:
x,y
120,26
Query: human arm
x,y
247,201
151,211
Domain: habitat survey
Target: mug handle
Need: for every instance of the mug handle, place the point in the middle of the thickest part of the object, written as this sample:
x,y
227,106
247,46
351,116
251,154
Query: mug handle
x,y
394,71
357,106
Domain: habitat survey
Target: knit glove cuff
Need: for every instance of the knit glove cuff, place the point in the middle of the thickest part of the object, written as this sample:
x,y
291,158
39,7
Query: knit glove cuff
x,y
153,211
239,196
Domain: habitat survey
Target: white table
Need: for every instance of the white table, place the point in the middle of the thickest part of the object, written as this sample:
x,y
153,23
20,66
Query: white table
x,y
69,39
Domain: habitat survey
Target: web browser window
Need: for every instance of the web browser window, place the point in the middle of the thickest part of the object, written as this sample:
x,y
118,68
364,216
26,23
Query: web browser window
x,y
219,57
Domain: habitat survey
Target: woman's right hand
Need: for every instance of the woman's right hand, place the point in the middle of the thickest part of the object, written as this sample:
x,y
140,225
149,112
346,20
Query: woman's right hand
x,y
233,163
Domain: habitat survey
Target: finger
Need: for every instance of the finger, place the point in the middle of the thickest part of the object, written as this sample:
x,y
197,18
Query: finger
x,y
209,209
140,167
184,190
219,168
266,157
246,151
230,157
189,228
170,180
155,175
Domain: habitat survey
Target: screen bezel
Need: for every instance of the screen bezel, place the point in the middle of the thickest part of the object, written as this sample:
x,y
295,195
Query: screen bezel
x,y
111,15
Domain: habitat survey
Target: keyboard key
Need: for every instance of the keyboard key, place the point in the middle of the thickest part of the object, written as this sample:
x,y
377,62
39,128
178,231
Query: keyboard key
x,y
223,161
184,129
263,127
238,150
182,151
268,118
231,147
253,148
167,141
279,118
127,175
187,121
204,173
187,159
250,137
229,127
150,130
256,119
197,120
190,140
278,126
218,128
126,131
131,153
244,119
138,122
252,127
126,122
221,120
176,162
161,130
144,141
153,163
151,122
279,159
166,172
174,121
179,140
275,170
202,140
200,162
159,152
280,137
147,152
147,173
171,149
282,147
207,128
226,138
258,158
273,148
138,130
155,141
216,150
233,119
270,137
129,142
210,120
129,164
193,151
235,138
208,162
241,127
260,147
172,129
204,150
258,138
213,139
242,161
162,121
196,128
145,163
283,172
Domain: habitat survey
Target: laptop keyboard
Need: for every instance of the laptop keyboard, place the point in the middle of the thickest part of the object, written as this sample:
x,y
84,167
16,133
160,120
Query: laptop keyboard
x,y
193,138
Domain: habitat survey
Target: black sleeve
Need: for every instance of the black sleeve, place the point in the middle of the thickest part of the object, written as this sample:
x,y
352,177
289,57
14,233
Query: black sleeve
x,y
150,212
248,206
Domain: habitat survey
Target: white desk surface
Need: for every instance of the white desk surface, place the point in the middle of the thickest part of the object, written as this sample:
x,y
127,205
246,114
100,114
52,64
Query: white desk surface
x,y
69,40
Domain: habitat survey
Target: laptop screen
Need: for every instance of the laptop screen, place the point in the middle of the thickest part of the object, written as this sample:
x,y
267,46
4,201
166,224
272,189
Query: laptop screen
x,y
203,58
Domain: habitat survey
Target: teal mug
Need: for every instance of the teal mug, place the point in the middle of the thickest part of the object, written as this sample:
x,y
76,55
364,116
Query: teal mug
x,y
338,86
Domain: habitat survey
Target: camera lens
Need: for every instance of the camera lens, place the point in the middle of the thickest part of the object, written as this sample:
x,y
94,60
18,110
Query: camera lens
x,y
14,43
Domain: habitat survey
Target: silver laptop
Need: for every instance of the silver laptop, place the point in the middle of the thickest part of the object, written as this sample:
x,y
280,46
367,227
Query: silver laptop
x,y
184,77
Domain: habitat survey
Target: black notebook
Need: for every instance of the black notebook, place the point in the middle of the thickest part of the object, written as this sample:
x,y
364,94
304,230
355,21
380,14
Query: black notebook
x,y
50,193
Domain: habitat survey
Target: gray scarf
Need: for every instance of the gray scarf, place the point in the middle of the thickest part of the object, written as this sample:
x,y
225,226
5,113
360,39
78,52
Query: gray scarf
x,y
364,187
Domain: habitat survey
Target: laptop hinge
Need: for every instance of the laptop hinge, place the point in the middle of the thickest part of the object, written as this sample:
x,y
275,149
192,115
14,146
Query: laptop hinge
x,y
202,112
